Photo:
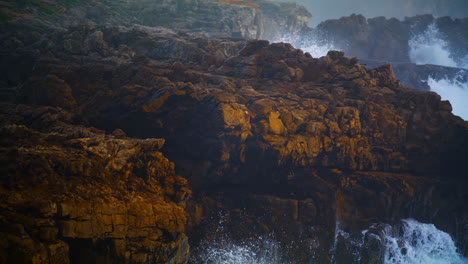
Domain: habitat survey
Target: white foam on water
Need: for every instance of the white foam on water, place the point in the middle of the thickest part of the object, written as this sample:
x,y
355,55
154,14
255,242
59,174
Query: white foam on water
x,y
411,242
421,244
453,90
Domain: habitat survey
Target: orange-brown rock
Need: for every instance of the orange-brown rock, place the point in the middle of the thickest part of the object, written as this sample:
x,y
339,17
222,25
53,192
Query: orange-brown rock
x,y
75,194
299,142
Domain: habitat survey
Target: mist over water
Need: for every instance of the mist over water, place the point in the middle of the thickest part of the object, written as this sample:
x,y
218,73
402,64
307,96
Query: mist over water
x,y
430,48
455,92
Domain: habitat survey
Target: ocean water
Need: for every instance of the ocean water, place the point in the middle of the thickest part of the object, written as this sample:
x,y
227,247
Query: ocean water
x,y
429,47
421,243
409,242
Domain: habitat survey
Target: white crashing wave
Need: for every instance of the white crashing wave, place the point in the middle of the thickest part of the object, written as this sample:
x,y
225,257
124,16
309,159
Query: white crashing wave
x,y
430,48
421,244
411,242
316,46
453,90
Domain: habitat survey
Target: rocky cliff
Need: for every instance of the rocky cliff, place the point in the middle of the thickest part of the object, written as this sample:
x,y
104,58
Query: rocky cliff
x,y
261,131
388,39
416,76
324,10
74,194
254,19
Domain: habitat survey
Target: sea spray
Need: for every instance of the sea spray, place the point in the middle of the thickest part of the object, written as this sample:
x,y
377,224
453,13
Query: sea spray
x,y
346,247
454,90
262,251
429,47
311,43
221,247
407,242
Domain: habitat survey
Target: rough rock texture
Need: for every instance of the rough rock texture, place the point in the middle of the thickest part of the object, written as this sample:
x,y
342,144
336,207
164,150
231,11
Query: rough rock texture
x,y
339,205
416,76
300,143
390,8
76,195
257,19
254,19
387,39
378,41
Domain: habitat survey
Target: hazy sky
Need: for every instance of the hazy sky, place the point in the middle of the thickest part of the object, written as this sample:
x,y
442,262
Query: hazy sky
x,y
326,9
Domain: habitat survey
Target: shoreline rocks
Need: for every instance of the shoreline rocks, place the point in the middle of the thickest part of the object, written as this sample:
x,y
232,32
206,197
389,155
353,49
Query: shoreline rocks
x,y
108,131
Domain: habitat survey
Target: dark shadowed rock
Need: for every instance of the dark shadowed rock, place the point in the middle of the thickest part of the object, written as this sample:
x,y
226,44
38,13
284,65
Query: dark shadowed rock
x,y
75,194
298,143
387,40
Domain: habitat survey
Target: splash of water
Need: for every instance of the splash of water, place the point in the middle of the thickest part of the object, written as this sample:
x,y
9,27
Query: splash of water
x,y
346,246
411,242
430,48
420,244
311,43
226,250
454,90
252,253
463,62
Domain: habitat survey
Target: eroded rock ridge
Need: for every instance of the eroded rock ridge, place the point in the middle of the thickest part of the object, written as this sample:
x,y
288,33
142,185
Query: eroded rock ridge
x,y
294,141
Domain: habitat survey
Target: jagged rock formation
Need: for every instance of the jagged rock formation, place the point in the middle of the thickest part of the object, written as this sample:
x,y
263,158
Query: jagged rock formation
x,y
387,39
377,41
296,141
253,19
72,194
416,76
324,10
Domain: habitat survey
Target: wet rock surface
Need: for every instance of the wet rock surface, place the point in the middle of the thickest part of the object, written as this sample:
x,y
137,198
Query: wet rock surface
x,y
264,132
